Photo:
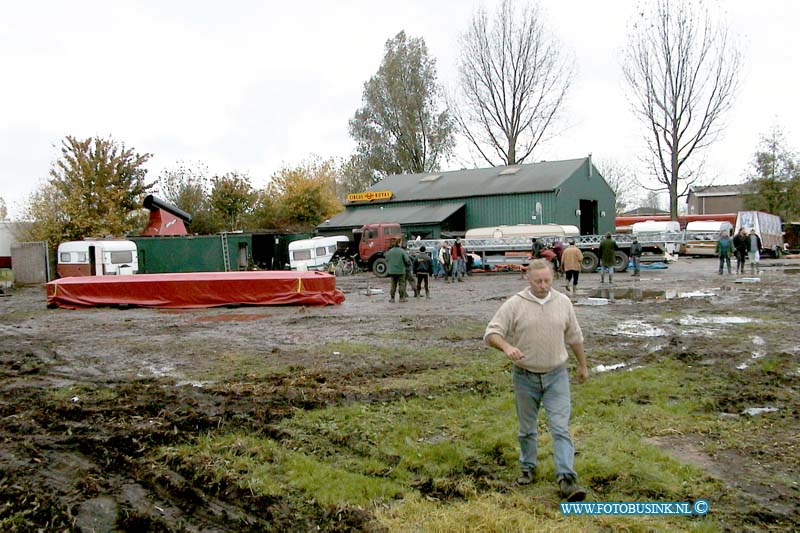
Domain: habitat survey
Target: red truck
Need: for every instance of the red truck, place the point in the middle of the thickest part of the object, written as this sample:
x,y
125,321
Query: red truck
x,y
375,240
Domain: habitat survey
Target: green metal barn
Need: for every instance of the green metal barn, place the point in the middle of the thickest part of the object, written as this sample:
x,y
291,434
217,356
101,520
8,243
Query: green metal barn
x,y
550,192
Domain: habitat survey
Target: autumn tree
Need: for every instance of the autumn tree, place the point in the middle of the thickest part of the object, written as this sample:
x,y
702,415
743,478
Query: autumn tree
x,y
681,68
403,125
94,189
513,79
231,200
305,195
775,177
187,187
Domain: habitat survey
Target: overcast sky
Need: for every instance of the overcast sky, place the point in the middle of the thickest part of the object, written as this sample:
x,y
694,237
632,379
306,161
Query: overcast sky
x,y
251,86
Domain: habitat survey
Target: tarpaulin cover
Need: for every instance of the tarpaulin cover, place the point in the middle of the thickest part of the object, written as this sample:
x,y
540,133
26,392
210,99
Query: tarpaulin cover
x,y
198,289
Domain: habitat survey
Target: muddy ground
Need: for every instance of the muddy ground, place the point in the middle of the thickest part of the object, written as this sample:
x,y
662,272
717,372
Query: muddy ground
x,y
70,461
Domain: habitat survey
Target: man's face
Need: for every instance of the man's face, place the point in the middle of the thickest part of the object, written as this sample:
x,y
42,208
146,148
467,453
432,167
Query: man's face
x,y
540,280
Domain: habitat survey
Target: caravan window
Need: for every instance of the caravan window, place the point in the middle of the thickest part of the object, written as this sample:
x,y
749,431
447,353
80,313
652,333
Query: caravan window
x,y
121,257
332,249
320,251
301,255
64,257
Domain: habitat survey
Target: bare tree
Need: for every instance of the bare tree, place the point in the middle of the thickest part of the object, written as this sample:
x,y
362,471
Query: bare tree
x,y
681,68
513,78
622,181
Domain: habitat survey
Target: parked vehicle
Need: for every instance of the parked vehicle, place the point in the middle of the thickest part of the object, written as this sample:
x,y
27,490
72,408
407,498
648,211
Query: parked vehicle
x,y
374,240
701,237
315,253
97,258
527,231
767,226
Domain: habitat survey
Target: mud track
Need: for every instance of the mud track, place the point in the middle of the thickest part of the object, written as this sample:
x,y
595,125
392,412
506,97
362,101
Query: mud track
x,y
87,396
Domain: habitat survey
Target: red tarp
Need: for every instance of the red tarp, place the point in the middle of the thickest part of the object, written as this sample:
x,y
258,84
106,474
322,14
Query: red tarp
x,y
198,289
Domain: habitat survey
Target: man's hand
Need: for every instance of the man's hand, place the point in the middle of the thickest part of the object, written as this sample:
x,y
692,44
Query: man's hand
x,y
583,373
513,353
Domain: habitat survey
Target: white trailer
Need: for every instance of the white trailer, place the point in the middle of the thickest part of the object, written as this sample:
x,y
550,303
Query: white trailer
x,y
702,236
97,258
766,226
314,254
516,250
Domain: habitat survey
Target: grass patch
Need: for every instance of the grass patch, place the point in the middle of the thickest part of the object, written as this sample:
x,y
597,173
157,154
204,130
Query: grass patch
x,y
84,393
446,461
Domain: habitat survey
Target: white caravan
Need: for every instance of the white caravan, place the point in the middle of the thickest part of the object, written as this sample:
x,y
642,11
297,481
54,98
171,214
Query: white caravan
x,y
314,254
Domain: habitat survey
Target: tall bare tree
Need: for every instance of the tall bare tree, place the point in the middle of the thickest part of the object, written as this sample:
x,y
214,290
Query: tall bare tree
x,y
513,78
681,68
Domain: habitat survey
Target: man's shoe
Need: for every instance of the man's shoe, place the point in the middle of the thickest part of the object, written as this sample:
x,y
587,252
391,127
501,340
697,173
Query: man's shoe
x,y
569,490
526,477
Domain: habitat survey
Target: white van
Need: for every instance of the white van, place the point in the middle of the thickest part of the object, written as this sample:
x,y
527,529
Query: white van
x,y
97,258
313,254
702,236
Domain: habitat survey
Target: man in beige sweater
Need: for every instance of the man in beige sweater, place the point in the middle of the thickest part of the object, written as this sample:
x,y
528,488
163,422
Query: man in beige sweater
x,y
533,328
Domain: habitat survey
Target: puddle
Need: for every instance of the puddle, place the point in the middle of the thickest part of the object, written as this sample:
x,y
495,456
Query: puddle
x,y
593,301
747,280
635,294
638,328
690,320
608,368
197,384
755,411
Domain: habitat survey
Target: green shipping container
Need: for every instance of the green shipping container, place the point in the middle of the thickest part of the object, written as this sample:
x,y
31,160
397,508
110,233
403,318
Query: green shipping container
x,y
193,253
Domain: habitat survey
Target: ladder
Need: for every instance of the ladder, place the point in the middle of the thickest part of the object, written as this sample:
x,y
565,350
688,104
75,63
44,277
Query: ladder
x,y
226,259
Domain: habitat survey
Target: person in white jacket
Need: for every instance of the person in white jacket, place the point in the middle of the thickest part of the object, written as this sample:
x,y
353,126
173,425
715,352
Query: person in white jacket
x,y
533,328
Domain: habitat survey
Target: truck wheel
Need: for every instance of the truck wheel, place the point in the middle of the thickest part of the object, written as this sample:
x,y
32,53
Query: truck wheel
x,y
590,262
379,267
620,261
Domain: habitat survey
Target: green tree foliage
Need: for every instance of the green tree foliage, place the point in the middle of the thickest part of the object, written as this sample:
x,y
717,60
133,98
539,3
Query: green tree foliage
x,y
402,127
231,200
355,176
305,195
775,177
3,209
187,187
95,189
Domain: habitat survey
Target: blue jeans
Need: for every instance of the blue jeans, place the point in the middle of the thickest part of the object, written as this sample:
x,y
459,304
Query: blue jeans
x,y
552,391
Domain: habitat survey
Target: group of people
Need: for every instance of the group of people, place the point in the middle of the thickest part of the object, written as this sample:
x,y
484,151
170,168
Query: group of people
x,y
743,246
449,262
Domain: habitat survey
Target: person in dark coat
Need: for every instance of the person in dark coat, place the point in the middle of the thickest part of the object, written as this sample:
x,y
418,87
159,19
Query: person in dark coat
x,y
740,246
422,267
608,248
636,255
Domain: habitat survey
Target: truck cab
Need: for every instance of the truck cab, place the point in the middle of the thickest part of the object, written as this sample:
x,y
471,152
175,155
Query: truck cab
x,y
375,242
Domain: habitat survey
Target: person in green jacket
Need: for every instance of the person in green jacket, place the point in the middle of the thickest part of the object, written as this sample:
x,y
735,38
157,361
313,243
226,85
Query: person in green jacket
x,y
397,261
607,249
724,249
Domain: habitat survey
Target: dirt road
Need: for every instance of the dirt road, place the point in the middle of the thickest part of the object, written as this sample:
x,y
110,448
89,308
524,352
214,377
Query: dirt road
x,y
72,455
